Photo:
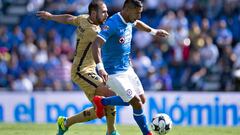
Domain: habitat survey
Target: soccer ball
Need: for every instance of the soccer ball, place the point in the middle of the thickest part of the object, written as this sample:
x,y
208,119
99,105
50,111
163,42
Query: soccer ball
x,y
161,124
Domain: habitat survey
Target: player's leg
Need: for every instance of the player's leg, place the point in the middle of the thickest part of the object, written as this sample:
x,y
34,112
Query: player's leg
x,y
92,85
88,85
142,98
122,85
86,115
89,114
137,103
110,111
137,85
65,122
138,115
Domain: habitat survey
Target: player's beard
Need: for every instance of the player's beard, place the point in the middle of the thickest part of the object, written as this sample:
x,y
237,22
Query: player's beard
x,y
100,20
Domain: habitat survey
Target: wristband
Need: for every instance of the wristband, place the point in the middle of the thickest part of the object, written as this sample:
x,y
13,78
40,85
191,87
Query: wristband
x,y
100,66
153,32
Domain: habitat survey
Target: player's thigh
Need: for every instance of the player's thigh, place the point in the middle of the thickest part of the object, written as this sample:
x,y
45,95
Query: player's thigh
x,y
103,90
137,85
92,85
122,86
88,82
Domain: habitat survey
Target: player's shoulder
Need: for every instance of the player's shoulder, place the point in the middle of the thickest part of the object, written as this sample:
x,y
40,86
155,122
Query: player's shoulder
x,y
83,16
111,22
114,18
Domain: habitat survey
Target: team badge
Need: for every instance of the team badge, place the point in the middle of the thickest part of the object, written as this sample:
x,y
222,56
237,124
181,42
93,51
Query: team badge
x,y
129,92
105,28
122,40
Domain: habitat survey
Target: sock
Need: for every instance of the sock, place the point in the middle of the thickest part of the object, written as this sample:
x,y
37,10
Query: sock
x,y
141,120
113,101
84,116
110,113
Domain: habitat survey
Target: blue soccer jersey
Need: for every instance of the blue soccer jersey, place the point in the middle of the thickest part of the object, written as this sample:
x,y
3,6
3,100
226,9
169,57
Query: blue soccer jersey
x,y
117,35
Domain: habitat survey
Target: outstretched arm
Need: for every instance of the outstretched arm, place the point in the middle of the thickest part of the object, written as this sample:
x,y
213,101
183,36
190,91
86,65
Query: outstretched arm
x,y
64,18
156,32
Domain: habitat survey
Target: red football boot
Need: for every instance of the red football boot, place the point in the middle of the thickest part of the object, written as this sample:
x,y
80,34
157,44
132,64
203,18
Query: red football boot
x,y
99,106
150,133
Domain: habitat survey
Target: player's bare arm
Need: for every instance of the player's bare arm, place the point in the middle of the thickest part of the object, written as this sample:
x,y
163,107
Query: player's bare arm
x,y
96,52
156,32
64,18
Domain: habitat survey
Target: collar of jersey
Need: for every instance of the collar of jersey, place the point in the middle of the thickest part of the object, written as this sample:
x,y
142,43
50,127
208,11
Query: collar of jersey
x,y
122,18
90,21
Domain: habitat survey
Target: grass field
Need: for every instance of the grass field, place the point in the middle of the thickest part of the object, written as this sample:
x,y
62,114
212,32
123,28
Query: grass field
x,y
80,129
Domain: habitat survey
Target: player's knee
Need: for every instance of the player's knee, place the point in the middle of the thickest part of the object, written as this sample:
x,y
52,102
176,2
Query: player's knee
x,y
136,103
143,98
104,91
109,93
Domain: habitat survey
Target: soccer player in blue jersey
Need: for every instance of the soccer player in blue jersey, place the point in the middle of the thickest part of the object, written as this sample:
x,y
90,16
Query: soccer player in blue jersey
x,y
115,43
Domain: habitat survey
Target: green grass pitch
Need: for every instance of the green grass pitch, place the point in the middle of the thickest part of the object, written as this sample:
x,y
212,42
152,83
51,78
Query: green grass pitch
x,y
82,129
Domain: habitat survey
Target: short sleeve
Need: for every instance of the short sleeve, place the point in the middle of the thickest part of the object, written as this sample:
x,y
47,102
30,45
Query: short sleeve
x,y
108,29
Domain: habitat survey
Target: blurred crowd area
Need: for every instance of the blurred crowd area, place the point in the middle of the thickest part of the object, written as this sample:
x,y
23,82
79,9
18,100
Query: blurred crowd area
x,y
202,52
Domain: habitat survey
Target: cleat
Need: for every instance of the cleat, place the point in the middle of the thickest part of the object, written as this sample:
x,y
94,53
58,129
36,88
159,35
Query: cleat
x,y
114,133
61,128
99,106
150,133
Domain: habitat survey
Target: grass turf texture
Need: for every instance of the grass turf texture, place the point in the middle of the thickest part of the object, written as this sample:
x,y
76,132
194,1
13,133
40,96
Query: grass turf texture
x,y
82,129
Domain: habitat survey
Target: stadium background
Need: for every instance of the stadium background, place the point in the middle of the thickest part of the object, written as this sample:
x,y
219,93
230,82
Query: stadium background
x,y
194,75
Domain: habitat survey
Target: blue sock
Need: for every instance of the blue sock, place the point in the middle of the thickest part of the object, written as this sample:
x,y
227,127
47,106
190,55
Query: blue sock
x,y
141,121
114,100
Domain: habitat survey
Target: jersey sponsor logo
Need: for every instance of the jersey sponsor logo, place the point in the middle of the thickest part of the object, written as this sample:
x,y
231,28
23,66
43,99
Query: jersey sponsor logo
x,y
122,40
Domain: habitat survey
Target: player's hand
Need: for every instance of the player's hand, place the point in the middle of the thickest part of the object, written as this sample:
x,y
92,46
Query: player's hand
x,y
162,33
102,73
44,15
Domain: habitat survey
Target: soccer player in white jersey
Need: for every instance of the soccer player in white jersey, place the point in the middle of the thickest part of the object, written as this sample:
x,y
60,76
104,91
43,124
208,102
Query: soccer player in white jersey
x,y
113,63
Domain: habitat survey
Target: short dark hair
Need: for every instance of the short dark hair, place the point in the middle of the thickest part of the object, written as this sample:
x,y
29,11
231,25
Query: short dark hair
x,y
132,3
94,6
